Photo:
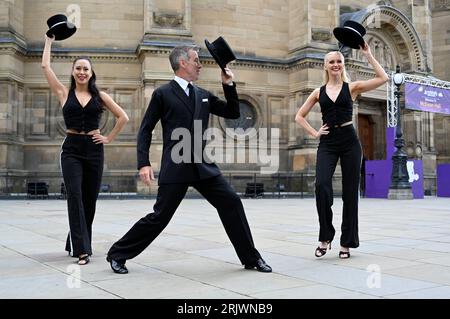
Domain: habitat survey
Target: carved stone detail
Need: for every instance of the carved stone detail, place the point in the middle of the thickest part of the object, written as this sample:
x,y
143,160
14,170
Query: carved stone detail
x,y
318,34
168,20
440,5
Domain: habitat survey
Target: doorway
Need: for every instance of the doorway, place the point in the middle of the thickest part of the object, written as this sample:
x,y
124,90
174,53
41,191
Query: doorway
x,y
365,132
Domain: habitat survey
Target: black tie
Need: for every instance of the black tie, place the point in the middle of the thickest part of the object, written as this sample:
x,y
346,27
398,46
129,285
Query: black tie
x,y
191,91
191,96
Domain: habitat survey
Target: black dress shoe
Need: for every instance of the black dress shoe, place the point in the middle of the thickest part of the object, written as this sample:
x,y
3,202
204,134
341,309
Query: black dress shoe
x,y
117,266
260,265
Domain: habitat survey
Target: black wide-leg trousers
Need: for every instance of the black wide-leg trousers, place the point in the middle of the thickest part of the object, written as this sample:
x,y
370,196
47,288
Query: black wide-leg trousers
x,y
217,192
340,144
82,168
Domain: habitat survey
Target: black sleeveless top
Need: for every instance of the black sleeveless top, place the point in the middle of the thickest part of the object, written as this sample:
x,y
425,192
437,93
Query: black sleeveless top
x,y
79,118
338,112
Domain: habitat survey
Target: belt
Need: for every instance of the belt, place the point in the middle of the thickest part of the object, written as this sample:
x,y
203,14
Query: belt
x,y
90,133
342,125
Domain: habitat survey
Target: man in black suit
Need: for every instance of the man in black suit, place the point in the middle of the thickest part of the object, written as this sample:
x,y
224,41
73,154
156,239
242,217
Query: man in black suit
x,y
177,105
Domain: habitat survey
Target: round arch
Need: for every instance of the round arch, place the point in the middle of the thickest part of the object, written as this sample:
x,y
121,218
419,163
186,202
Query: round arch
x,y
389,23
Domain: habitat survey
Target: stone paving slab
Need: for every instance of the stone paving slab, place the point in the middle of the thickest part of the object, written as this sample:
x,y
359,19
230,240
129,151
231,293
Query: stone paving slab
x,y
404,252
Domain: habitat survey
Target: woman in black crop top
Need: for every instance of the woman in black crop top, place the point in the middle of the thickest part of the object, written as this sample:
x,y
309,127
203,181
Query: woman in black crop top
x,y
338,141
82,149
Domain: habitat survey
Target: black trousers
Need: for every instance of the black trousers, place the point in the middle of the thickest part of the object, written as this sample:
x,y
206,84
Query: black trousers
x,y
217,192
340,144
82,168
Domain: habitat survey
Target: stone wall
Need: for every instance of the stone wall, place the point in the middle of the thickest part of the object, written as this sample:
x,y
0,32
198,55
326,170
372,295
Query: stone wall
x,y
280,47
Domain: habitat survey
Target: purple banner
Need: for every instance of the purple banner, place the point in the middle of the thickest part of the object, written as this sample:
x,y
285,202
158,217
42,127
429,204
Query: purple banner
x,y
378,178
427,98
378,173
443,180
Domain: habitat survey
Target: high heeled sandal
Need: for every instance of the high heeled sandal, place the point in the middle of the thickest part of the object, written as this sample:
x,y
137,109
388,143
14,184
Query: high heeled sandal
x,y
83,260
321,251
344,254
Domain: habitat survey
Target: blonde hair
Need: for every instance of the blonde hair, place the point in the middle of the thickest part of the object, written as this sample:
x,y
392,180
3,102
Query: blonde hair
x,y
344,75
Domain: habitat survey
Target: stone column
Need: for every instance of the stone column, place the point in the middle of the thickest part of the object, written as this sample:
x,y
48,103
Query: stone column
x,y
166,23
167,19
310,35
298,25
429,154
12,50
441,39
421,18
311,24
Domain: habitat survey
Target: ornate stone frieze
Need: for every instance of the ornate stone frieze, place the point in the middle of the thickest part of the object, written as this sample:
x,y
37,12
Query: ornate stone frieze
x,y
168,20
440,5
318,34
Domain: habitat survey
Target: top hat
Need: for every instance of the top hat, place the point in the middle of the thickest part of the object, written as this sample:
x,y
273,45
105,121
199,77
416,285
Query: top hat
x,y
221,52
351,34
60,27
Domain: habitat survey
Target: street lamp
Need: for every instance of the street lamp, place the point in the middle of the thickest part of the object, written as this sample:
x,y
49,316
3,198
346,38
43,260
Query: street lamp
x,y
400,187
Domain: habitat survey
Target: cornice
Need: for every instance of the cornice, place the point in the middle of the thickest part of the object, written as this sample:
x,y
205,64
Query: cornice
x,y
95,54
11,76
147,49
11,45
12,42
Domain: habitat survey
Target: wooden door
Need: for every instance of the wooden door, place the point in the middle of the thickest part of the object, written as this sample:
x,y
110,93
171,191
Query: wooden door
x,y
365,131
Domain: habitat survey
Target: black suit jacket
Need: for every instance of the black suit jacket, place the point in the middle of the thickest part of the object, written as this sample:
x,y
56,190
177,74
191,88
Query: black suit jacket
x,y
170,105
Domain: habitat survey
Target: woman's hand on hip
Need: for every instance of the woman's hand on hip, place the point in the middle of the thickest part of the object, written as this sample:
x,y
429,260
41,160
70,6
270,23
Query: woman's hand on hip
x,y
100,139
322,131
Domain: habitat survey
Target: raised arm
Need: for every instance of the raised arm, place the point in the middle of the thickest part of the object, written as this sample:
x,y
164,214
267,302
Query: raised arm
x,y
380,78
300,118
55,85
230,108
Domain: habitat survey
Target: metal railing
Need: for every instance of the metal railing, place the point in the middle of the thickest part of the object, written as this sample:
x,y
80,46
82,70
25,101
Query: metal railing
x,y
247,185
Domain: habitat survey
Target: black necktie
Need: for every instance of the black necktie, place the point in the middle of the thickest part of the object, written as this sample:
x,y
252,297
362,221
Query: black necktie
x,y
191,91
191,96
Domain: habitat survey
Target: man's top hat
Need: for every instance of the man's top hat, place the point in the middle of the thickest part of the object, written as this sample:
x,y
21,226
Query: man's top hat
x,y
351,34
60,27
221,52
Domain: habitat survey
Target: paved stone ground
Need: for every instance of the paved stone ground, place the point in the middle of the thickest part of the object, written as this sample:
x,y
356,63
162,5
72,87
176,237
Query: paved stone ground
x,y
404,252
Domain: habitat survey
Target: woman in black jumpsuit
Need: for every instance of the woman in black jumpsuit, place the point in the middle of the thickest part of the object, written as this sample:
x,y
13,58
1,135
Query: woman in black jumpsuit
x,y
82,149
338,141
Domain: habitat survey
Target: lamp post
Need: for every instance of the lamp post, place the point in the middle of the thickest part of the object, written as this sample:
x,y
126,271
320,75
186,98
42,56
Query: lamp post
x,y
400,187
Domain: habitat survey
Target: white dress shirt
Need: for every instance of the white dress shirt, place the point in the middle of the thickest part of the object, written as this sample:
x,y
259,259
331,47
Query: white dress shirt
x,y
183,83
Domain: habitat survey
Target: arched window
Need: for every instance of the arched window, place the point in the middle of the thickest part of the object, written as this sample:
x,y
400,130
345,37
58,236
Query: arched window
x,y
247,120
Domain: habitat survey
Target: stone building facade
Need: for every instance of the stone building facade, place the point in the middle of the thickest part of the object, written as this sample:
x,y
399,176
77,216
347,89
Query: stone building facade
x,y
279,44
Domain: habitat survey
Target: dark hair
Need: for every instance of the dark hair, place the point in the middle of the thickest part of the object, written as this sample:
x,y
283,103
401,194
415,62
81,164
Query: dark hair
x,y
92,87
